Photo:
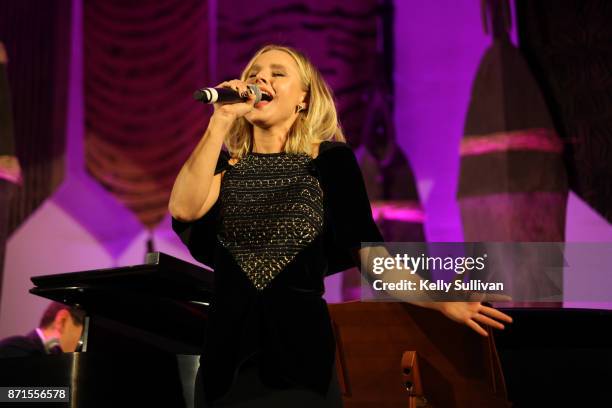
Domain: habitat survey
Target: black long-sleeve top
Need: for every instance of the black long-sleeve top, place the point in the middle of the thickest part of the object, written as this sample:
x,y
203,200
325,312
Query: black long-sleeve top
x,y
281,224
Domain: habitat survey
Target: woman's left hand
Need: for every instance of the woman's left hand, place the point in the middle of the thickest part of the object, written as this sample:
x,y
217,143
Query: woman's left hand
x,y
473,314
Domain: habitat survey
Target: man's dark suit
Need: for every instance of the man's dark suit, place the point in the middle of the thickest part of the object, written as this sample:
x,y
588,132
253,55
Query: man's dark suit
x,y
22,346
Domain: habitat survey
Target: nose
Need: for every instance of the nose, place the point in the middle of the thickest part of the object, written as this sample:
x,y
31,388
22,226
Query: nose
x,y
260,78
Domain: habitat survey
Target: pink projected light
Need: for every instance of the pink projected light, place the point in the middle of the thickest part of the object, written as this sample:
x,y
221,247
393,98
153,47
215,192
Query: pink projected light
x,y
543,140
406,211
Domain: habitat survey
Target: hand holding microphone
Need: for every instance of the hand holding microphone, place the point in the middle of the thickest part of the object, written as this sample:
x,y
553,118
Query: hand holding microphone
x,y
232,99
226,95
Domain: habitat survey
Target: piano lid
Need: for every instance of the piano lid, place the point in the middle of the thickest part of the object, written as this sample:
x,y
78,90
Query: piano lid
x,y
163,303
162,274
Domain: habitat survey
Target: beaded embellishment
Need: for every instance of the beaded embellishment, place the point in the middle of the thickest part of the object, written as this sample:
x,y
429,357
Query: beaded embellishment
x,y
271,209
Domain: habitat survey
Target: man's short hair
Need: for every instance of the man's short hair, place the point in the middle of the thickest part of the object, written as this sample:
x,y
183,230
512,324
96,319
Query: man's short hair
x,y
54,308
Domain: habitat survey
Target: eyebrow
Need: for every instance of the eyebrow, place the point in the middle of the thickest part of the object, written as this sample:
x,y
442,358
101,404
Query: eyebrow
x,y
273,66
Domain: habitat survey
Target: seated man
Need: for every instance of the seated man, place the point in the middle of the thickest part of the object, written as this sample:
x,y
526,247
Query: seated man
x,y
59,331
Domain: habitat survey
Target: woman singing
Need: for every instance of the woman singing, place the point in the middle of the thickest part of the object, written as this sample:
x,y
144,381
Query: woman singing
x,y
284,207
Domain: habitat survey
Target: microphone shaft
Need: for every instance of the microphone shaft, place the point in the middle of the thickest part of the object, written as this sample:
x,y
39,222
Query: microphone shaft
x,y
224,95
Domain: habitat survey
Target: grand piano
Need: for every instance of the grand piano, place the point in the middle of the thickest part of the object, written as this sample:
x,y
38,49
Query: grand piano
x,y
141,341
146,323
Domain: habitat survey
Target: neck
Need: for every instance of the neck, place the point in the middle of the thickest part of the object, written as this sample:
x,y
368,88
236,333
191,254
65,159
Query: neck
x,y
49,333
269,140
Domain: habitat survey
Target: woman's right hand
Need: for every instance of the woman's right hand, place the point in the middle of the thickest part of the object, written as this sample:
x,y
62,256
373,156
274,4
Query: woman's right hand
x,y
232,111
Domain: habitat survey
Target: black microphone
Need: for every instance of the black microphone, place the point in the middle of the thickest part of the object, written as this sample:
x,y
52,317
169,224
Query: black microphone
x,y
224,95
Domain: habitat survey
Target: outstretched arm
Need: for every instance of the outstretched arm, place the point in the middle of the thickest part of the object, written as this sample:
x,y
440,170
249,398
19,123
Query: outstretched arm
x,y
472,314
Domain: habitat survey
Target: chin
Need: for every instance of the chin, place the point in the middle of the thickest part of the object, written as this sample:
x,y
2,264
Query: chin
x,y
259,119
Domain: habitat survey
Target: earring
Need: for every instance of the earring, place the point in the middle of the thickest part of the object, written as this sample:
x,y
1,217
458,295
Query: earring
x,y
299,108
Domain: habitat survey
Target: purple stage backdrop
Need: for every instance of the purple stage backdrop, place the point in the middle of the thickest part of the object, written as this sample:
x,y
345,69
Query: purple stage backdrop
x,y
438,46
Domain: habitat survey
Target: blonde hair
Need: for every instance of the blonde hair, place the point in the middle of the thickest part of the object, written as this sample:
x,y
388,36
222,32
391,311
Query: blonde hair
x,y
317,123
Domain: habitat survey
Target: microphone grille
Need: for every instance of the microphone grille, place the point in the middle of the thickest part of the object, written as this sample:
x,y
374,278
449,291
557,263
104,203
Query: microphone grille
x,y
199,95
256,91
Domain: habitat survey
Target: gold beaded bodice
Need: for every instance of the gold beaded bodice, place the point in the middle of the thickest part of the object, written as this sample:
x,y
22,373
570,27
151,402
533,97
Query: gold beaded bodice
x,y
271,209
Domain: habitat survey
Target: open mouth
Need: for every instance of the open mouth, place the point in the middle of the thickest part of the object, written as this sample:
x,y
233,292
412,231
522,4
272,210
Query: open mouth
x,y
265,96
